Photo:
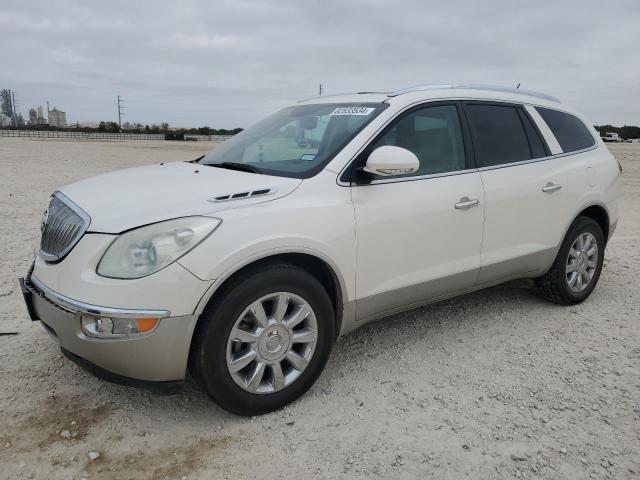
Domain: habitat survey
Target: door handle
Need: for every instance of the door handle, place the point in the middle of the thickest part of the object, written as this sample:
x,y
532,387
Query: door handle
x,y
466,203
551,187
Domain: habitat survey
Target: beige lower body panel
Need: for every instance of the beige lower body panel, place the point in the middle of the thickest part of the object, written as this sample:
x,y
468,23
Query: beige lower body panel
x,y
160,355
403,298
532,265
365,310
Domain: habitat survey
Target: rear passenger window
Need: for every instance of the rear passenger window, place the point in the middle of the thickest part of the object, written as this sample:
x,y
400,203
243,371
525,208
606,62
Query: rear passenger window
x,y
570,132
498,134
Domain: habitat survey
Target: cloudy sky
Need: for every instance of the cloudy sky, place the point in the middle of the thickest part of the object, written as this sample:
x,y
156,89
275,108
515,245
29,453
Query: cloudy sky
x,y
229,63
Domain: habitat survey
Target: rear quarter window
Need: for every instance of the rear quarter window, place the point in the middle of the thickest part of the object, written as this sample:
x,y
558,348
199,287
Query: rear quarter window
x,y
570,132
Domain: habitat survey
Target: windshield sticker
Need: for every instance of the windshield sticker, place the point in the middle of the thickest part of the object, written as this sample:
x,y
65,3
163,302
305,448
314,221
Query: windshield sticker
x,y
308,157
352,111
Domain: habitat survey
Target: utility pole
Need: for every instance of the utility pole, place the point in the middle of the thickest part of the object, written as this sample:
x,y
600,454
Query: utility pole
x,y
320,89
120,113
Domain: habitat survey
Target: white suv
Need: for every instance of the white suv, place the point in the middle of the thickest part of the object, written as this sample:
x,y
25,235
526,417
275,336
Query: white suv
x,y
247,264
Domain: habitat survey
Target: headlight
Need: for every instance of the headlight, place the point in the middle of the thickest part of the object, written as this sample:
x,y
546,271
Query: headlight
x,y
146,250
106,327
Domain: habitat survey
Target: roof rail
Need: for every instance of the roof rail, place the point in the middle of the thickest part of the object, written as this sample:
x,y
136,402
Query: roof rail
x,y
492,88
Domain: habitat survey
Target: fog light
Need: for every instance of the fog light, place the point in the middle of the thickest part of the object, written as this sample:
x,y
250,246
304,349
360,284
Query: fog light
x,y
105,327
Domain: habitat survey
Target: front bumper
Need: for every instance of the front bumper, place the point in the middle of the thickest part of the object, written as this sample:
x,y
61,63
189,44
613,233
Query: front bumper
x,y
157,356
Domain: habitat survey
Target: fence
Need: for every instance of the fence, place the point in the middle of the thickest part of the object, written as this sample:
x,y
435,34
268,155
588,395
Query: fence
x,y
103,136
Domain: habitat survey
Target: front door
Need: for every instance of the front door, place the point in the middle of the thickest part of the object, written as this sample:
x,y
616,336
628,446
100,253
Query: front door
x,y
419,237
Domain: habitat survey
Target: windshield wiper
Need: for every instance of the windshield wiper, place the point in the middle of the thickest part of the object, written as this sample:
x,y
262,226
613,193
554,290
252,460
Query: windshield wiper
x,y
242,167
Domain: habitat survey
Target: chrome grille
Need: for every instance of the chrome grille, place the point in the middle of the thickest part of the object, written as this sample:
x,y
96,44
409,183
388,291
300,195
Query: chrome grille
x,y
63,225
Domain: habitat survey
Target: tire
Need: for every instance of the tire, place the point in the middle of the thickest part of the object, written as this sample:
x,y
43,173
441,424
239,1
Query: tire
x,y
555,284
214,348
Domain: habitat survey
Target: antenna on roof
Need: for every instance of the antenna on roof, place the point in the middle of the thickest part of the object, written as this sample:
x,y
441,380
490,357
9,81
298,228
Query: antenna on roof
x,y
518,86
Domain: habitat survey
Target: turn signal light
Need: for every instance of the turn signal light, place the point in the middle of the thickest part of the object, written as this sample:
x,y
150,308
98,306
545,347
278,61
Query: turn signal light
x,y
146,324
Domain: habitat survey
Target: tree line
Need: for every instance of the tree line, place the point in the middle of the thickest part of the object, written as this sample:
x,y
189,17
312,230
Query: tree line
x,y
113,127
626,132
163,128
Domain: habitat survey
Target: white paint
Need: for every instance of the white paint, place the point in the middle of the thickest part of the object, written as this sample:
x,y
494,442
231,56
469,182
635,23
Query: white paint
x,y
377,238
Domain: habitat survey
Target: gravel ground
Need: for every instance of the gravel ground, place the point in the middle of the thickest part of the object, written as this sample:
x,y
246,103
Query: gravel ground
x,y
495,384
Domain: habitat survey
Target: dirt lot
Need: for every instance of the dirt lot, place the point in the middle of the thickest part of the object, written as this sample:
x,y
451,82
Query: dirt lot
x,y
496,384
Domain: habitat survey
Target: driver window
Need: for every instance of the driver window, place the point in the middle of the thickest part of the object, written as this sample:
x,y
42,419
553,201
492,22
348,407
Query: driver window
x,y
433,134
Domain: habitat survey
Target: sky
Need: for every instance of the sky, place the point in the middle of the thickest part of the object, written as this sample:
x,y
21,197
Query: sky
x,y
227,64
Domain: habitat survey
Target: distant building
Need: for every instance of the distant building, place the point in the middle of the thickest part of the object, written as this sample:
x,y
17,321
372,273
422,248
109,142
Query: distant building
x,y
36,117
17,120
57,118
8,108
5,121
6,103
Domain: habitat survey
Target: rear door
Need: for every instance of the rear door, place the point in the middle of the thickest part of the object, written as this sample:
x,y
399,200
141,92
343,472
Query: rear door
x,y
525,208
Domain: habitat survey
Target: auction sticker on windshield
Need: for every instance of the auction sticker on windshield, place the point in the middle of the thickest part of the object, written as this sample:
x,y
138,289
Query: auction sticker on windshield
x,y
352,111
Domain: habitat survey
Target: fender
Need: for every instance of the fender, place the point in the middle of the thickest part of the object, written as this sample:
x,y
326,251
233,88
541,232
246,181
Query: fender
x,y
266,254
577,212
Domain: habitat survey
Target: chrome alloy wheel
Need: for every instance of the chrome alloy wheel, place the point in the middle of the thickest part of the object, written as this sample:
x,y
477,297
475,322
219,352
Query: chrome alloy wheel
x,y
582,262
272,342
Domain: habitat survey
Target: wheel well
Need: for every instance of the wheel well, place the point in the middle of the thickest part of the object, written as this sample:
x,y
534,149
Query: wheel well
x,y
599,214
310,263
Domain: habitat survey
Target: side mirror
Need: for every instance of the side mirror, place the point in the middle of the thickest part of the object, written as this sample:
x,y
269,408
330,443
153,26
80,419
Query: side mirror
x,y
389,160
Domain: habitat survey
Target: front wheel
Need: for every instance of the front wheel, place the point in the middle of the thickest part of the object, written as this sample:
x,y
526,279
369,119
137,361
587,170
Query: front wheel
x,y
264,340
577,267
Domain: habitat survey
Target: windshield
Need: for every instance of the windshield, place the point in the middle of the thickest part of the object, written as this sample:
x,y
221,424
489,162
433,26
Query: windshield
x,y
296,141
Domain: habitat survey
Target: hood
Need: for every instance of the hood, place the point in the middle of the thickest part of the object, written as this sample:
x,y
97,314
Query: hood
x,y
125,199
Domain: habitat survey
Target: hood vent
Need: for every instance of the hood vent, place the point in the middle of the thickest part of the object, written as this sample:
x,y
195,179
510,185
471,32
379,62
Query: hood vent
x,y
243,195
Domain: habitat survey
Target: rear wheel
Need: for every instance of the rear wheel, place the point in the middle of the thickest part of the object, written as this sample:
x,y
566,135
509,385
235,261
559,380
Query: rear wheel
x,y
264,340
576,269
